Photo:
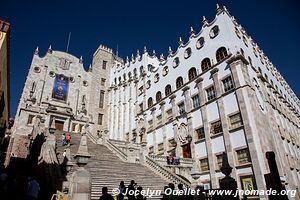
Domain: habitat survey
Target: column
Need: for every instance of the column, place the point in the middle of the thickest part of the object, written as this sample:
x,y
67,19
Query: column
x,y
124,111
120,125
130,105
224,121
188,106
115,126
210,156
111,112
164,128
175,125
257,157
155,151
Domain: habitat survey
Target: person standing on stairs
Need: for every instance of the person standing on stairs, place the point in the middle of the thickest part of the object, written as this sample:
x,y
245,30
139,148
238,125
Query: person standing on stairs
x,y
131,190
68,140
122,189
63,139
105,195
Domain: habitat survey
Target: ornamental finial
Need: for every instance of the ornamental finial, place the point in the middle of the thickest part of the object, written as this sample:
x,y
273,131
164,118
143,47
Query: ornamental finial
x,y
50,49
153,53
36,52
192,32
180,41
145,49
80,59
170,51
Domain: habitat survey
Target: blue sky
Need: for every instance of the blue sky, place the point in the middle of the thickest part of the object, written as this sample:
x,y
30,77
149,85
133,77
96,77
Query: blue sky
x,y
132,24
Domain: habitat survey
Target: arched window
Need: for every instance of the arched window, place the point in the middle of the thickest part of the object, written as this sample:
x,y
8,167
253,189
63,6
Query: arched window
x,y
158,96
187,52
150,102
179,82
214,31
165,71
156,78
192,73
200,43
129,75
141,70
176,62
168,90
221,54
205,64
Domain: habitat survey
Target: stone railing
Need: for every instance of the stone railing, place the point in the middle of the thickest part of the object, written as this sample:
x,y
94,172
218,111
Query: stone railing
x,y
91,137
165,173
116,150
183,168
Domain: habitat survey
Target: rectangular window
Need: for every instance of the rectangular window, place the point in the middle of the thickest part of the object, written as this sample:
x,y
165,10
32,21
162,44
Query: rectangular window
x,y
211,93
200,133
235,121
104,63
243,156
30,119
160,147
228,84
216,127
204,164
219,161
141,107
181,108
196,101
101,101
103,81
141,90
151,150
100,118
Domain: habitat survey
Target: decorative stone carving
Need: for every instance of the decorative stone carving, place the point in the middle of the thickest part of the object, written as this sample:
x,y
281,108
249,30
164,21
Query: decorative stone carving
x,y
183,134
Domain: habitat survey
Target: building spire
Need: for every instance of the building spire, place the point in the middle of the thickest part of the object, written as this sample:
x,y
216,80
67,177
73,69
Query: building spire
x,y
80,60
145,49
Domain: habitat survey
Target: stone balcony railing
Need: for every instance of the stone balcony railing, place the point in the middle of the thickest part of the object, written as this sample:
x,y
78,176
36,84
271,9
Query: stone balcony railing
x,y
183,168
165,173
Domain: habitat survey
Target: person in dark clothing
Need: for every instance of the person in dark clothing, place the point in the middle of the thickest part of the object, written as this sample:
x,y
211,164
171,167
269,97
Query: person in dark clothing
x,y
122,190
105,195
180,188
165,196
131,190
140,196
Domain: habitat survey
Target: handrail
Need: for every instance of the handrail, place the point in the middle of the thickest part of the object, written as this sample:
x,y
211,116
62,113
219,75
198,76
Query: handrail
x,y
115,149
164,158
170,176
91,137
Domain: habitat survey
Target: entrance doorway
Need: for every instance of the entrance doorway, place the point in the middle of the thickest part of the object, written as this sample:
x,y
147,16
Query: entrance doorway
x,y
59,125
186,151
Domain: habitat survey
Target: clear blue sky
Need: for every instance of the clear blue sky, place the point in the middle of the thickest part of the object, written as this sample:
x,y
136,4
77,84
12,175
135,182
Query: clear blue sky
x,y
131,24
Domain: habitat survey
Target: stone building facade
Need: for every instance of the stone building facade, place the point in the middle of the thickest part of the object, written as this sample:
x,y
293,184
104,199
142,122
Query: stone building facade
x,y
218,92
4,75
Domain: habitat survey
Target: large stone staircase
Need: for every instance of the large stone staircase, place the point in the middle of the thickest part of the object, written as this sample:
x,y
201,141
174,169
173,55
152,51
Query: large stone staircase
x,y
108,170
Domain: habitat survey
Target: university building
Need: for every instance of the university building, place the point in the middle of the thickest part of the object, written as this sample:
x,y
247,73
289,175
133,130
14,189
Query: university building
x,y
217,92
